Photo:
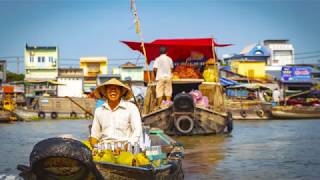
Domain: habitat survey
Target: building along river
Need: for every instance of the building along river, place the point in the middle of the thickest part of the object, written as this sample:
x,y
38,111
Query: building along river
x,y
274,149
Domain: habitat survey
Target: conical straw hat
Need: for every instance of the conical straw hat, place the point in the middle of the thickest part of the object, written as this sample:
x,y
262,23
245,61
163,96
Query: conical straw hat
x,y
101,90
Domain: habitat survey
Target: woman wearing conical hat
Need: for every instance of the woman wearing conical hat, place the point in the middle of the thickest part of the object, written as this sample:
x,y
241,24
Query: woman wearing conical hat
x,y
116,119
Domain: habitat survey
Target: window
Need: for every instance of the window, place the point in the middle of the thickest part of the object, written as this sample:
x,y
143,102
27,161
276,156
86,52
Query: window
x,y
43,59
31,59
39,59
51,59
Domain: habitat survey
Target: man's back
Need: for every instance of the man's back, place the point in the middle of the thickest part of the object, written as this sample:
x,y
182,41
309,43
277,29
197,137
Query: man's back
x,y
164,64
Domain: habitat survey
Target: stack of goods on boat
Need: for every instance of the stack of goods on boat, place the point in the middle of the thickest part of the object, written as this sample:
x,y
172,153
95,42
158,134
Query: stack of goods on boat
x,y
124,153
186,72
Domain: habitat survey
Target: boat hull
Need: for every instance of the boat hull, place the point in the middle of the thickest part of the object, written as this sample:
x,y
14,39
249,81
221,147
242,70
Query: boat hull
x,y
201,121
295,112
249,110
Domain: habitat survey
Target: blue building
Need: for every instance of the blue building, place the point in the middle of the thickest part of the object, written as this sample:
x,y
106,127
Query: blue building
x,y
254,52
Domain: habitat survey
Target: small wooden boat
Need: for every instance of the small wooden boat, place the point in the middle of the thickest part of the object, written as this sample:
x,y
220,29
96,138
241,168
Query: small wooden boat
x,y
5,116
62,158
246,102
249,109
296,112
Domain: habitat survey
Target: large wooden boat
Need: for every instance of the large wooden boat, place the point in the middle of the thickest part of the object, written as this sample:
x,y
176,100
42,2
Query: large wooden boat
x,y
296,112
184,117
58,107
63,158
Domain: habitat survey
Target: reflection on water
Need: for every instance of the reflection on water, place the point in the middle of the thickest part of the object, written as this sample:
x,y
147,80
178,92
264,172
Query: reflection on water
x,y
202,153
256,149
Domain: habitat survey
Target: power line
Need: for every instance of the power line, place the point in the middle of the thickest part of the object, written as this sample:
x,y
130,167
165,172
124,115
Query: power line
x,y
311,52
308,57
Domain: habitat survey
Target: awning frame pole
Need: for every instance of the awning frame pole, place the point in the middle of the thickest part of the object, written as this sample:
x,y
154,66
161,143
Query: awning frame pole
x,y
138,31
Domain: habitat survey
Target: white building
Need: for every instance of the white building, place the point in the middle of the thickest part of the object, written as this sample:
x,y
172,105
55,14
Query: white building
x,y
71,80
3,71
41,62
281,52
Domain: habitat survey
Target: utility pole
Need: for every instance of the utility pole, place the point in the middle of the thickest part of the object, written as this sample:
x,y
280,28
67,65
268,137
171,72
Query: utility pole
x,y
18,65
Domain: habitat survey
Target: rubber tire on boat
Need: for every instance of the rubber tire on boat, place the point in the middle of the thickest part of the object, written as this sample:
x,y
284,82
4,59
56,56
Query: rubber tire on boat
x,y
53,115
260,113
183,102
42,115
73,114
243,113
181,119
66,148
229,122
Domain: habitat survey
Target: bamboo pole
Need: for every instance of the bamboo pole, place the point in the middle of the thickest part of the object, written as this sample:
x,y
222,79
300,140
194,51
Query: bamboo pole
x,y
138,31
215,63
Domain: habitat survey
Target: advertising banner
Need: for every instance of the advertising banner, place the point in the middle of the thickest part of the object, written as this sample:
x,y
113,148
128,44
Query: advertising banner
x,y
296,73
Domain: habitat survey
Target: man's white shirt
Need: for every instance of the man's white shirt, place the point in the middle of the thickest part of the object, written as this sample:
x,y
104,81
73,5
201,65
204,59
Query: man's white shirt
x,y
123,123
163,64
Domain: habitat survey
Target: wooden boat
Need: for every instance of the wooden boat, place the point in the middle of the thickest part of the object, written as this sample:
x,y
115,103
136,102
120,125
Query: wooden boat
x,y
62,158
249,109
54,107
5,116
296,112
244,107
184,117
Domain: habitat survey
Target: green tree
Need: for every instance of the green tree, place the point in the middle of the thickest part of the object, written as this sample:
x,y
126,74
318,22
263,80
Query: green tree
x,y
11,76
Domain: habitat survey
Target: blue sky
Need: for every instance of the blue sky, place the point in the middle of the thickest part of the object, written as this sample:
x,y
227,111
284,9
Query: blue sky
x,y
94,28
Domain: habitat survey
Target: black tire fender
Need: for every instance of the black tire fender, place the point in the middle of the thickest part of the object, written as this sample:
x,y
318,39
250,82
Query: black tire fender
x,y
73,114
54,115
243,113
42,115
183,102
229,122
184,119
66,148
260,113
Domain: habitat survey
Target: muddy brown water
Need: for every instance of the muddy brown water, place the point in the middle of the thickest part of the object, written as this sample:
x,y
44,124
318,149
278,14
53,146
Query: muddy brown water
x,y
276,149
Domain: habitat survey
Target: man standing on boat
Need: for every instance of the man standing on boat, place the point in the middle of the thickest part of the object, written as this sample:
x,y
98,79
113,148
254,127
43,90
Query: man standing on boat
x,y
163,67
276,96
117,119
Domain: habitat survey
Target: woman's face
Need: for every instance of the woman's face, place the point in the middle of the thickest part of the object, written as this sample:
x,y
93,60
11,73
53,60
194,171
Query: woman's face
x,y
113,93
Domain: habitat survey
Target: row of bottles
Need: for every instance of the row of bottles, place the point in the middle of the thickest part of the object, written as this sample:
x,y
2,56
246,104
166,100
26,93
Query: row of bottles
x,y
118,146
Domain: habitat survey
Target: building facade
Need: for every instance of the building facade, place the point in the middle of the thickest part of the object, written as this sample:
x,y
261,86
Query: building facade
x,y
71,80
251,69
3,71
41,62
281,52
130,71
92,67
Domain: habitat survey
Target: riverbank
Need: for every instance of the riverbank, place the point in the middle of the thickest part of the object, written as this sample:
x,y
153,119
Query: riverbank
x,y
255,150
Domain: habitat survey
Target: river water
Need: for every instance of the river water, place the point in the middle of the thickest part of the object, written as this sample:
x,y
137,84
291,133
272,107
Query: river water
x,y
276,149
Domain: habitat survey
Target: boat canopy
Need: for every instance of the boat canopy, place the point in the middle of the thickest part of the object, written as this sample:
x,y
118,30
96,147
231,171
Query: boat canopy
x,y
177,49
227,82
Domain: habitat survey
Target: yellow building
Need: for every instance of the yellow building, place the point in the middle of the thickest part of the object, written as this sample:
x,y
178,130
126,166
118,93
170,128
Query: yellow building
x,y
92,66
251,69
